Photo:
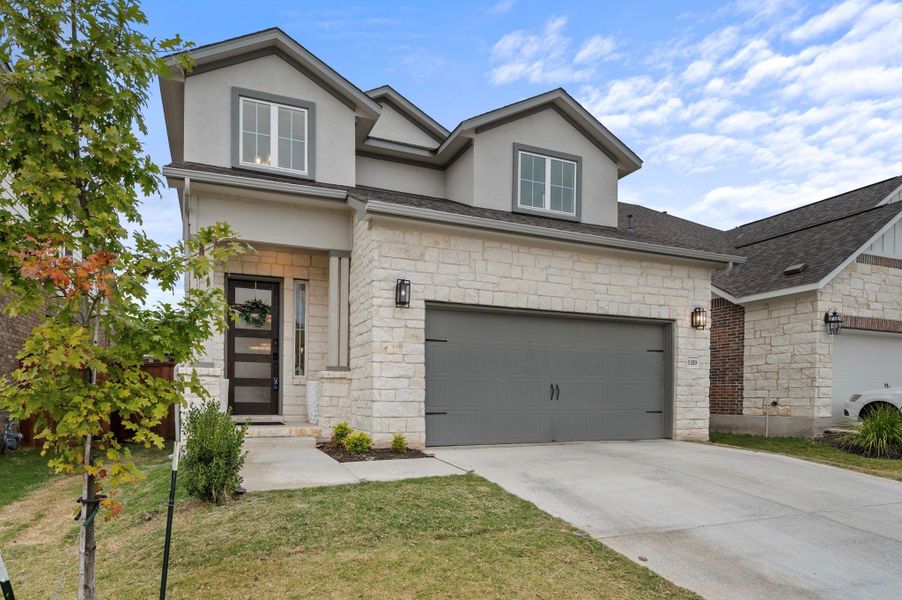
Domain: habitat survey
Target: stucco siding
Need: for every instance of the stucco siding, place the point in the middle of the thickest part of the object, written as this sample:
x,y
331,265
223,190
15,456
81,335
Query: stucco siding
x,y
208,115
493,184
392,175
392,125
461,266
459,178
269,222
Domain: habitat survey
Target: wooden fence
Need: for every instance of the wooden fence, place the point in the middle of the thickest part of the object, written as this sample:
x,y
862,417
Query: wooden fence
x,y
166,370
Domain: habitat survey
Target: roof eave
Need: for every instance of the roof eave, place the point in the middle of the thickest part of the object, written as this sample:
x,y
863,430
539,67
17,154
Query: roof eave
x,y
410,110
275,37
378,207
240,181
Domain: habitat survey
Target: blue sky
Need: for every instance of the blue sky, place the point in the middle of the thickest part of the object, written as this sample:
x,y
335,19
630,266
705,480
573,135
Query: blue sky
x,y
739,110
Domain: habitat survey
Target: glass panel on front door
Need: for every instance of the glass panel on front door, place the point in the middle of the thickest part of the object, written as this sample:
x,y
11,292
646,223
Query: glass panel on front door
x,y
252,350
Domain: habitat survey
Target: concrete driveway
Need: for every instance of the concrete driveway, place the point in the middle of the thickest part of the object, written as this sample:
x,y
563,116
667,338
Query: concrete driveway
x,y
723,522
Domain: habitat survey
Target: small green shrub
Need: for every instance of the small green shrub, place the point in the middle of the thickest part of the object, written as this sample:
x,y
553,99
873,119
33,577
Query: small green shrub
x,y
399,443
358,442
879,434
340,432
211,465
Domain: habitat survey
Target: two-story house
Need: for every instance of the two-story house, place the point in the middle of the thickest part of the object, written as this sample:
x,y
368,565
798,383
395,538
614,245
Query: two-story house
x,y
474,286
484,285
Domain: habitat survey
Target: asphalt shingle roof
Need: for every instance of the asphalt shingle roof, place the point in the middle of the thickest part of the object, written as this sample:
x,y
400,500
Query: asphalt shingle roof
x,y
820,235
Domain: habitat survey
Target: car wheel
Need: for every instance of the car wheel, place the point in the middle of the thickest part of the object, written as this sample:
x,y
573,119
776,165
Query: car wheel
x,y
868,409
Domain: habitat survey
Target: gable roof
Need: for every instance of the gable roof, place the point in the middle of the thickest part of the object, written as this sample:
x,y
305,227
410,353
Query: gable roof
x,y
414,114
822,236
275,41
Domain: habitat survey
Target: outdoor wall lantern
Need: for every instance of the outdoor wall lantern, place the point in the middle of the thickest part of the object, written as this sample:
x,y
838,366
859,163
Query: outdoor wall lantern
x,y
833,322
402,293
699,318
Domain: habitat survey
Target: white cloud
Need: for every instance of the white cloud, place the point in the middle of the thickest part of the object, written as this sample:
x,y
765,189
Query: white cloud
x,y
595,48
502,7
776,107
829,21
545,57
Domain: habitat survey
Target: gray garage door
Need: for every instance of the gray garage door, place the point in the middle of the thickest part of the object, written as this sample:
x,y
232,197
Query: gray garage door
x,y
508,377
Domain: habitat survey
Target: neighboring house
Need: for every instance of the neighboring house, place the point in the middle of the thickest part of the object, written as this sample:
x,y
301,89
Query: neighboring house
x,y
769,340
482,285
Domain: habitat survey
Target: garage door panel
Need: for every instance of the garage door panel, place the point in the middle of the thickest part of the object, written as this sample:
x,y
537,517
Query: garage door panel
x,y
488,378
864,361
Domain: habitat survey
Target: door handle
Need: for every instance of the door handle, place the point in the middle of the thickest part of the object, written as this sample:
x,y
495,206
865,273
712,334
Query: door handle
x,y
552,392
558,389
275,384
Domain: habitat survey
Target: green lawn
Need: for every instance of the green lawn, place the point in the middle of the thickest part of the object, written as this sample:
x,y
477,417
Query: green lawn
x,y
809,449
21,471
450,537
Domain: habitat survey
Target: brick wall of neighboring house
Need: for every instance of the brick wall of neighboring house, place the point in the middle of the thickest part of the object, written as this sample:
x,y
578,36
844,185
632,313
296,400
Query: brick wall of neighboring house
x,y
727,348
13,332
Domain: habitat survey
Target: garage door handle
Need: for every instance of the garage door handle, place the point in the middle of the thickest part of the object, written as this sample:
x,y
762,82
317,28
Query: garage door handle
x,y
552,392
436,413
654,412
556,387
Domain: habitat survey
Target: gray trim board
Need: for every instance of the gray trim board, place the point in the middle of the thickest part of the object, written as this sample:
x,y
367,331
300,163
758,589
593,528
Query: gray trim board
x,y
401,160
515,190
255,183
310,141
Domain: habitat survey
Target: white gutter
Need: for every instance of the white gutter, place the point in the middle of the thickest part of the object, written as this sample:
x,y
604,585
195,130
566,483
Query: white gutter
x,y
428,214
255,183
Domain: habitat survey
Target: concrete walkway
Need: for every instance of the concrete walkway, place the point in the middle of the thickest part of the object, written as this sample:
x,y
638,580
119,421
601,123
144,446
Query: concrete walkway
x,y
726,523
294,462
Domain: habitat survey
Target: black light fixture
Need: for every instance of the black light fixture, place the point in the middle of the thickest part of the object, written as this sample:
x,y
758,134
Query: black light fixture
x,y
402,293
833,322
699,318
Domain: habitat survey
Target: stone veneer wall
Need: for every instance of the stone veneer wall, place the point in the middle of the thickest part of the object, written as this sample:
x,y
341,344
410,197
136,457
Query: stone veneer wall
x,y
785,346
388,343
289,265
727,349
870,288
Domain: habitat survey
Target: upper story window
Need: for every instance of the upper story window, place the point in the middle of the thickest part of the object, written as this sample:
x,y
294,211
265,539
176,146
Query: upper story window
x,y
546,183
273,135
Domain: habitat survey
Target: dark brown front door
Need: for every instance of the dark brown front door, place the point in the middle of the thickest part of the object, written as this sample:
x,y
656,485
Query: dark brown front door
x,y
252,351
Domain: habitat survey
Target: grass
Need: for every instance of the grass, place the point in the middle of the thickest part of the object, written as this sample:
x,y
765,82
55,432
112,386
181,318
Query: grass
x,y
809,449
21,471
449,537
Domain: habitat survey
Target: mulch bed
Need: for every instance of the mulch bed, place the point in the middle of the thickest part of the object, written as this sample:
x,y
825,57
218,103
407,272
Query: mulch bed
x,y
341,455
838,440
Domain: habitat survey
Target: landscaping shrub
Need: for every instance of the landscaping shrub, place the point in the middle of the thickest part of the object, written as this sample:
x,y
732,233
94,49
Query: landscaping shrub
x,y
358,442
399,443
879,434
340,432
212,462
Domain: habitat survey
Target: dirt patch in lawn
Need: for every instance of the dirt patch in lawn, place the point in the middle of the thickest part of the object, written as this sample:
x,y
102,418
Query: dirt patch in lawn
x,y
839,439
340,454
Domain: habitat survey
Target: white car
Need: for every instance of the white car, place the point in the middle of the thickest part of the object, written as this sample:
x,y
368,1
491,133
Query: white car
x,y
859,405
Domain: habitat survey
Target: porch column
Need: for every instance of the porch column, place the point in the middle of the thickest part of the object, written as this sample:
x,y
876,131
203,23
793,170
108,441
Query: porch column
x,y
339,288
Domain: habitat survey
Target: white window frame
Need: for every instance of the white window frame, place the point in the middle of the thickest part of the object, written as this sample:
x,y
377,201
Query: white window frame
x,y
546,208
273,135
294,329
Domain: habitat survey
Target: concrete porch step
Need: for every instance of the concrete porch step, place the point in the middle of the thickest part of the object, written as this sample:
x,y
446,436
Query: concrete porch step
x,y
279,429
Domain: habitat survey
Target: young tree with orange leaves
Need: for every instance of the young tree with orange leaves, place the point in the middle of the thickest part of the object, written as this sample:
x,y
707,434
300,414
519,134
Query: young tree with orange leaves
x,y
73,84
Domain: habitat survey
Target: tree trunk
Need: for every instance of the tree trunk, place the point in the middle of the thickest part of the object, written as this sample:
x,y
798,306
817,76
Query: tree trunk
x,y
87,545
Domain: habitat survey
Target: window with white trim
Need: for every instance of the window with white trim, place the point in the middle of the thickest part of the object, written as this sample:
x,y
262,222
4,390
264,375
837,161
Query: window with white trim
x,y
546,183
273,135
300,326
